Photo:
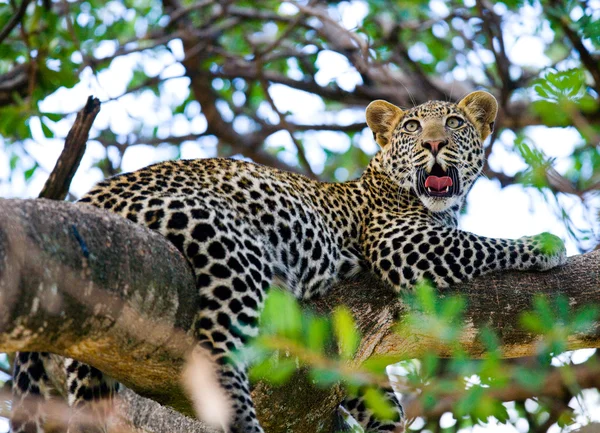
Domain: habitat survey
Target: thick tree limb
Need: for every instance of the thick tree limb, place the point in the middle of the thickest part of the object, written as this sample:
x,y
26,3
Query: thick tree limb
x,y
82,283
98,285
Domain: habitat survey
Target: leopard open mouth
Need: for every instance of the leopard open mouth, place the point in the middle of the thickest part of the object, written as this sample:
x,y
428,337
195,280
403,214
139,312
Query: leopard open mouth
x,y
438,183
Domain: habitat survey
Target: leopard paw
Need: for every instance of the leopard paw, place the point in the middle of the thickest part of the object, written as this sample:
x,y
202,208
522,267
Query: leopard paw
x,y
548,251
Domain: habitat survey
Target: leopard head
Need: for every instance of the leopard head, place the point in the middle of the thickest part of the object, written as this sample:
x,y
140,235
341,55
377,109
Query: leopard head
x,y
435,149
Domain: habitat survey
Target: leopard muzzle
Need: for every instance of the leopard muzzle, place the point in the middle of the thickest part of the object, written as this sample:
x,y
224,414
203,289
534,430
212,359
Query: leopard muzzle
x,y
439,182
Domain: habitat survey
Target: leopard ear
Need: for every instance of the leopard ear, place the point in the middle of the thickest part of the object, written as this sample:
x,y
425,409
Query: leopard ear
x,y
382,118
481,108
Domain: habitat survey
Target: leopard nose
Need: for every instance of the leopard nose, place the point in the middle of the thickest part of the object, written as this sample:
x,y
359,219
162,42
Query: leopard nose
x,y
435,146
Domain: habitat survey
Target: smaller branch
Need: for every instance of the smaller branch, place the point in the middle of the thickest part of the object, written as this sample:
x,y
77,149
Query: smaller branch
x,y
352,127
205,34
249,71
488,150
155,141
401,56
583,125
284,123
468,41
267,129
592,65
149,82
70,26
492,27
264,15
348,44
556,181
290,28
151,41
16,18
33,62
561,382
57,185
177,14
14,82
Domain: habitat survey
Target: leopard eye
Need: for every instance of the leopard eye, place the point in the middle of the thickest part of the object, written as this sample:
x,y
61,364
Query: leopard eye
x,y
454,122
412,125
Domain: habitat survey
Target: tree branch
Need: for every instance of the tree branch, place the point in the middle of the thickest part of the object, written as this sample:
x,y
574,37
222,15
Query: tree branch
x,y
115,281
57,185
592,65
14,20
14,82
556,386
106,275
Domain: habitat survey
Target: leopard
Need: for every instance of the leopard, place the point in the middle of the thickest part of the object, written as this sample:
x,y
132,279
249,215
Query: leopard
x,y
245,227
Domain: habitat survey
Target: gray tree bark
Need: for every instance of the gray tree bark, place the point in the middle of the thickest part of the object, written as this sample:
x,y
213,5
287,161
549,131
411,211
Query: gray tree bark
x,y
86,284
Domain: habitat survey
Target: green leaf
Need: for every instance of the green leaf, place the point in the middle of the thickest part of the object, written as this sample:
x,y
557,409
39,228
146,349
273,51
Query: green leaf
x,y
29,172
48,133
550,244
316,334
585,319
378,364
282,314
273,370
325,377
452,308
530,322
467,404
426,297
489,339
55,117
14,160
566,419
530,378
379,403
345,331
429,365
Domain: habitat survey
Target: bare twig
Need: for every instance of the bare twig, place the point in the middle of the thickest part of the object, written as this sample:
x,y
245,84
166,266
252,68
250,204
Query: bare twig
x,y
57,185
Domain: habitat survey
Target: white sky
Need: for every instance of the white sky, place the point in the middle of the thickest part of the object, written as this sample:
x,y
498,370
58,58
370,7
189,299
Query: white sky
x,y
492,211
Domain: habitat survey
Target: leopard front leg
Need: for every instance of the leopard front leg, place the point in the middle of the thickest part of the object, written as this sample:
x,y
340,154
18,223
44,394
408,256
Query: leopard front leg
x,y
403,254
232,276
31,391
230,306
91,397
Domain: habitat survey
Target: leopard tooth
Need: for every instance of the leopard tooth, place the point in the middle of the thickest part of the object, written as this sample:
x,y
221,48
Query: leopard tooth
x,y
447,189
428,189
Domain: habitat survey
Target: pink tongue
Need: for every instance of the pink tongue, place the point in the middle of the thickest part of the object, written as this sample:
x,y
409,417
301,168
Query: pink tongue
x,y
438,183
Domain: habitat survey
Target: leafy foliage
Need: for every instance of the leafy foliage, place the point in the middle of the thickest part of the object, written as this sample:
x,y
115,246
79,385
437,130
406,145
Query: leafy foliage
x,y
474,391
